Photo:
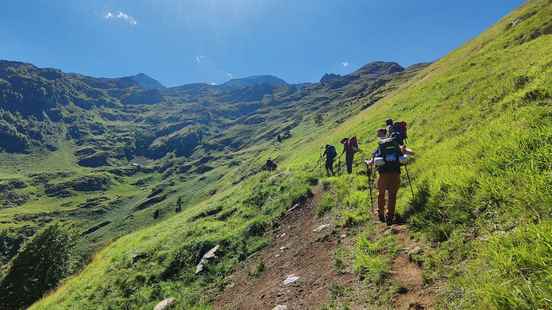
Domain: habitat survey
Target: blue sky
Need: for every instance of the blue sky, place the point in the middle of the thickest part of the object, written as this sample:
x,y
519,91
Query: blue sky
x,y
184,41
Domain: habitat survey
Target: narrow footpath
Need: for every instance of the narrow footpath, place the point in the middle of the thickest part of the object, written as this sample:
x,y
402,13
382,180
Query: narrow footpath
x,y
296,271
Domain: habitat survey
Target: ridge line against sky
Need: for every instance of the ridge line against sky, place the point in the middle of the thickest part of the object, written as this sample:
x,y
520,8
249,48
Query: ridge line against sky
x,y
186,41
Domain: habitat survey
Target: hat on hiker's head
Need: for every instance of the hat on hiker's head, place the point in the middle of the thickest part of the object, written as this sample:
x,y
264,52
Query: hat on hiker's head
x,y
389,122
381,133
344,140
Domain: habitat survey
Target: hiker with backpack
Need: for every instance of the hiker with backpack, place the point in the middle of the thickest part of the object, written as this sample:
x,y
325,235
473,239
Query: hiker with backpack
x,y
350,147
270,165
329,154
388,158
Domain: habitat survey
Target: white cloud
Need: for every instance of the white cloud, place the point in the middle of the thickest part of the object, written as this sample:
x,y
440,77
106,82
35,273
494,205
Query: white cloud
x,y
121,16
345,64
230,75
200,58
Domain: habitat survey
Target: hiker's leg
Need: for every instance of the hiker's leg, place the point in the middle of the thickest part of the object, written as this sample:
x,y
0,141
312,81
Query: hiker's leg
x,y
394,182
349,159
381,197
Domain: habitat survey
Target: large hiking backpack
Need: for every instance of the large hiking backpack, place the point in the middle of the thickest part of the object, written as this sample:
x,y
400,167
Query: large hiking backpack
x,y
389,154
331,152
399,132
353,143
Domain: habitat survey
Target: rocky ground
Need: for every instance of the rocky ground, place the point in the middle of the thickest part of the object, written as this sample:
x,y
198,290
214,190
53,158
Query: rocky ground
x,y
297,270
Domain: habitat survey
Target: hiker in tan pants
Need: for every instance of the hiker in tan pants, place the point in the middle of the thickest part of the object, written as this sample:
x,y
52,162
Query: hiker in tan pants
x,y
386,158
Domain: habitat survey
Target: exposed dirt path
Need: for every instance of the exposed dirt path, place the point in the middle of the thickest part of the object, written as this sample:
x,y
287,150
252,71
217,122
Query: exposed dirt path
x,y
302,247
413,293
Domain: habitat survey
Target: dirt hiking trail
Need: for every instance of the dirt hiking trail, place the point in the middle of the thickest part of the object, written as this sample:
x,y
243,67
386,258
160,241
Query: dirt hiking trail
x,y
296,271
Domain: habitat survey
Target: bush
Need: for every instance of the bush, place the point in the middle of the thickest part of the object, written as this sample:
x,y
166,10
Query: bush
x,y
38,267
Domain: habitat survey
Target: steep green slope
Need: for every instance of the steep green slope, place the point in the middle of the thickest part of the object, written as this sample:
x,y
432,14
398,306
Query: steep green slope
x,y
480,121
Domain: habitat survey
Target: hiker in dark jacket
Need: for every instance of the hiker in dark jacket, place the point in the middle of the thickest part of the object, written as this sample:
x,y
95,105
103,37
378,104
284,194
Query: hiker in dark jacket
x,y
330,154
350,147
271,165
387,159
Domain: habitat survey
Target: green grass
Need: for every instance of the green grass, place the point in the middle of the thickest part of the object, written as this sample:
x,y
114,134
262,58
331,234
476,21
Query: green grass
x,y
373,256
173,247
481,122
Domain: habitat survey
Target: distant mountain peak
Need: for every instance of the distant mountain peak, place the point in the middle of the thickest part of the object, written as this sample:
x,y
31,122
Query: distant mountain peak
x,y
146,82
380,68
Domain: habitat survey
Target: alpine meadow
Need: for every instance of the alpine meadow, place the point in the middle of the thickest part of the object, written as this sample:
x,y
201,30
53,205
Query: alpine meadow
x,y
121,193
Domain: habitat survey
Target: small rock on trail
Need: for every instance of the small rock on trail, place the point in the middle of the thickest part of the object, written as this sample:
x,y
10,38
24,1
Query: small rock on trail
x,y
206,257
291,279
165,304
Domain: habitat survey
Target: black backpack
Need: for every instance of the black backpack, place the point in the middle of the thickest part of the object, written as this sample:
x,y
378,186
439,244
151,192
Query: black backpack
x,y
331,153
390,151
399,132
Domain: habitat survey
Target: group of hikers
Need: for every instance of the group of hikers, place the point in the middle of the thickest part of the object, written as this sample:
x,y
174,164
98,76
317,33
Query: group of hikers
x,y
388,158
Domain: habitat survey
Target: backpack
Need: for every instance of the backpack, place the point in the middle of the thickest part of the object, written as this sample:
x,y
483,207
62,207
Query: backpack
x,y
331,152
390,152
399,131
353,144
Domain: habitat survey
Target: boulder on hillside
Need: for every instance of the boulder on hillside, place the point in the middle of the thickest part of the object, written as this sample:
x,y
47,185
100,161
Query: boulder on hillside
x,y
10,199
88,183
165,304
97,159
212,253
12,184
182,143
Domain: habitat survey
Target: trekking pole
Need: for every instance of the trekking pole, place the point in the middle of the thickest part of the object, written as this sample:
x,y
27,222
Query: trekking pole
x,y
370,183
319,162
409,180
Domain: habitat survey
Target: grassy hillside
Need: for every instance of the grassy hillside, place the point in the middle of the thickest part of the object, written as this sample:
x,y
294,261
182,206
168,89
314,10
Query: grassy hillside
x,y
480,121
193,141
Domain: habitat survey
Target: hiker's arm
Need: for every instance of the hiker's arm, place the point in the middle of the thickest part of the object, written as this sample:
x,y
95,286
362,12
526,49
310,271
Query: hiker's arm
x,y
407,151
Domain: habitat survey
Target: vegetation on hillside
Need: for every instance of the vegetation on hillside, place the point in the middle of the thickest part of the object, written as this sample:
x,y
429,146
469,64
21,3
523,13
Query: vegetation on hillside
x,y
480,121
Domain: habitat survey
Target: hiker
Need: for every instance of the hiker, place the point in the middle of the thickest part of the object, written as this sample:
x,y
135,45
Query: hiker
x,y
350,147
388,158
178,208
270,165
330,154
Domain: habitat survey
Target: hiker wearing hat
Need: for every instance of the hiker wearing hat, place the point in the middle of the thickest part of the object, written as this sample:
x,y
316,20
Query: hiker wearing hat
x,y
388,158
